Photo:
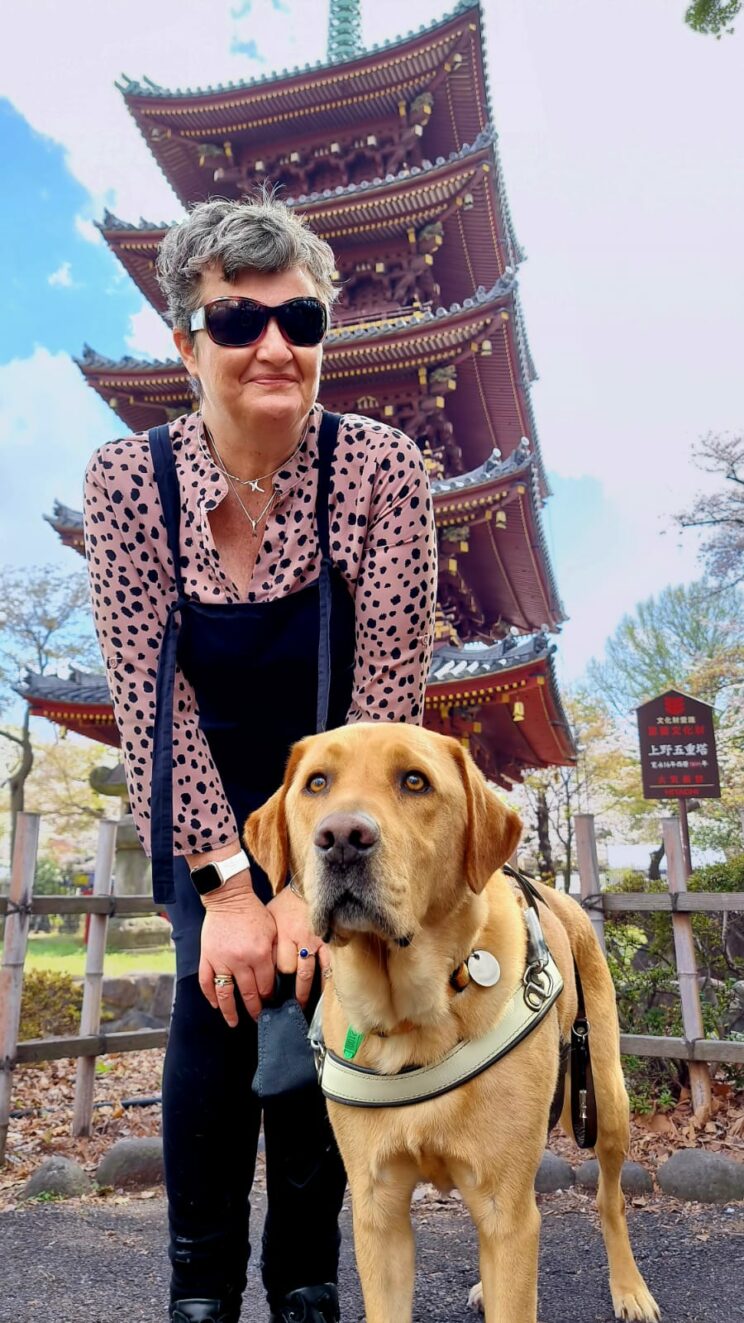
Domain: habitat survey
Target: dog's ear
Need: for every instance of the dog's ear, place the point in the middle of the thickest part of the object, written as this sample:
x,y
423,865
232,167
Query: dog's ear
x,y
265,832
493,829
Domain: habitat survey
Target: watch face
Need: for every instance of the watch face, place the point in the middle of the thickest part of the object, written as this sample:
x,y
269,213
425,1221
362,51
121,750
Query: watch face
x,y
206,879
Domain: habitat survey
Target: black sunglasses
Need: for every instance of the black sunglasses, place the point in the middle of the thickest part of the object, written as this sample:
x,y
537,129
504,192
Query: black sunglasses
x,y
235,322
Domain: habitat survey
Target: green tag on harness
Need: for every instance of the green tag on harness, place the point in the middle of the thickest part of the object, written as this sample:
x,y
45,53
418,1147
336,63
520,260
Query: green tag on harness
x,y
353,1043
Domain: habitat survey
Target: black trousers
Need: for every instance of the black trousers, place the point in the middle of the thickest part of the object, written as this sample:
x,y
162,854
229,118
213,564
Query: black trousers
x,y
211,1122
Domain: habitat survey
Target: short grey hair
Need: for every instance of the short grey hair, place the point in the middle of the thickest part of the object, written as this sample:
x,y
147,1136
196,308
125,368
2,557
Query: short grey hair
x,y
261,234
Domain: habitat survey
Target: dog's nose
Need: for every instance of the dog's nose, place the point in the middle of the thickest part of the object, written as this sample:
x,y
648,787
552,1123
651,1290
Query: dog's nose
x,y
343,838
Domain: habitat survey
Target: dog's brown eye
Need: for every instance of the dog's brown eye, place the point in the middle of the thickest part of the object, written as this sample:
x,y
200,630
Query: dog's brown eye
x,y
416,782
316,783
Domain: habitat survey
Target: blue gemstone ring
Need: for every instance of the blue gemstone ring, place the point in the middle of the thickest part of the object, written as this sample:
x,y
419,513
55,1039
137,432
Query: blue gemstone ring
x,y
303,953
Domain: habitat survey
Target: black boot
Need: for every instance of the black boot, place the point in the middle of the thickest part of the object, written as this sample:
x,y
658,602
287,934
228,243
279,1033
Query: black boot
x,y
309,1304
204,1311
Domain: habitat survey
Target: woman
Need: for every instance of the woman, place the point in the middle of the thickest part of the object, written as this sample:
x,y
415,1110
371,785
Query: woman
x,y
260,570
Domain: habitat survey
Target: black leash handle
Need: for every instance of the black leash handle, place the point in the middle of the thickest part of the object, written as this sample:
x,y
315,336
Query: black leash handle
x,y
583,1099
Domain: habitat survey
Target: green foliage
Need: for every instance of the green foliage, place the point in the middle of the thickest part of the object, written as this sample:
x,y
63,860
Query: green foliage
x,y
48,878
727,876
712,17
690,637
51,1005
640,954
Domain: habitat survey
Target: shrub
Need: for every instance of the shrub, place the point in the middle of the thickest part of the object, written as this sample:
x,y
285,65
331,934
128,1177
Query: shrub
x,y
640,953
51,1005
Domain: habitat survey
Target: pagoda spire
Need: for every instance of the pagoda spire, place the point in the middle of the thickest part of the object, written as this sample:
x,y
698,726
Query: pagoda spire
x,y
344,30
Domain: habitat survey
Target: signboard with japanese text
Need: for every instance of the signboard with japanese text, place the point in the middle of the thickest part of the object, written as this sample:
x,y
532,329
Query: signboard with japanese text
x,y
678,748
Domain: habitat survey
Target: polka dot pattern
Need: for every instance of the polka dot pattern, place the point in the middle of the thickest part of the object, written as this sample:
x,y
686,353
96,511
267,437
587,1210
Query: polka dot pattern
x,y
383,542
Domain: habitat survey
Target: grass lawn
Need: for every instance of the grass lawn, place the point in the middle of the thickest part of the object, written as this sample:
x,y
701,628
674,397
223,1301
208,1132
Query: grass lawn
x,y
65,953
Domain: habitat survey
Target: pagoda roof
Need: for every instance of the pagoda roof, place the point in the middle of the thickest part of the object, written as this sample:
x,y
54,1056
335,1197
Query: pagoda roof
x,y
69,524
503,699
481,336
499,563
487,680
326,96
374,210
79,702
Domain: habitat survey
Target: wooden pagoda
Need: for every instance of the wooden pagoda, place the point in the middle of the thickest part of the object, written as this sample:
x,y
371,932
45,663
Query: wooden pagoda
x,y
391,154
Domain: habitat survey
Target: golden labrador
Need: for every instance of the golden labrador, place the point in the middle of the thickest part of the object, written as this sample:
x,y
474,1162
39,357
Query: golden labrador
x,y
396,841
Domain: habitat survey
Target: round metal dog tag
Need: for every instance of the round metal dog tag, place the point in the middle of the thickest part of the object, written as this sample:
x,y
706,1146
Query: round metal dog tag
x,y
484,969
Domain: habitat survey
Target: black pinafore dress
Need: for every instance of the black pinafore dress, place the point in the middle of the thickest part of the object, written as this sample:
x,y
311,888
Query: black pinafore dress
x,y
264,674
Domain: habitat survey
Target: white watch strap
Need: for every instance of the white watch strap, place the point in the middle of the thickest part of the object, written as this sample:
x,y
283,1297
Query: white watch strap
x,y
227,868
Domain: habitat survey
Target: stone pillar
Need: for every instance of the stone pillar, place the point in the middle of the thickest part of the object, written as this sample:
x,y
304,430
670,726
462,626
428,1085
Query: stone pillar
x,y
132,872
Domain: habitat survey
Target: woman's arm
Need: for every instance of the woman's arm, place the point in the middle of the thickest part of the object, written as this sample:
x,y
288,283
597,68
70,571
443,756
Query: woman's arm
x,y
131,579
396,589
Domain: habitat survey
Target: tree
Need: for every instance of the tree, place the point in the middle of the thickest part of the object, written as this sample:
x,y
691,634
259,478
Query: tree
x,y
690,637
722,513
601,782
45,624
712,17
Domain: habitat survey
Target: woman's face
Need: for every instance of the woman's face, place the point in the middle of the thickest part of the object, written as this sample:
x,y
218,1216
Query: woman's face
x,y
263,385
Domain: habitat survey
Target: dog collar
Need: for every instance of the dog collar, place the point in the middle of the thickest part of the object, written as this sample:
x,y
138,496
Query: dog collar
x,y
359,1086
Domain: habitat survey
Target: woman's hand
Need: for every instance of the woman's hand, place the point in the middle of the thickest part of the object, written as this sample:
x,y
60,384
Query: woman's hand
x,y
294,934
239,938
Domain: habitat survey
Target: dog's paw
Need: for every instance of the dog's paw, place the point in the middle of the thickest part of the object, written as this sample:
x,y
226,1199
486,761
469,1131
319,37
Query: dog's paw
x,y
475,1299
635,1304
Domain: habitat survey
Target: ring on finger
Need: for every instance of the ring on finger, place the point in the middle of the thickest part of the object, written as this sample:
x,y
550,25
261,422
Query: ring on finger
x,y
223,980
304,953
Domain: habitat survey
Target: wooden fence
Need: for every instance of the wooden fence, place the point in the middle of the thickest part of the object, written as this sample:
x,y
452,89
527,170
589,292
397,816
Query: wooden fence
x,y
102,905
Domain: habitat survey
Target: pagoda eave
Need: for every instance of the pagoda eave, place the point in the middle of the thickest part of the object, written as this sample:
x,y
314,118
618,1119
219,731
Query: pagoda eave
x,y
507,707
474,246
327,98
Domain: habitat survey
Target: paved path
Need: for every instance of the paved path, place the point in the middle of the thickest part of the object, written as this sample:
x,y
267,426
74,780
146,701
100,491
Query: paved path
x,y
98,1262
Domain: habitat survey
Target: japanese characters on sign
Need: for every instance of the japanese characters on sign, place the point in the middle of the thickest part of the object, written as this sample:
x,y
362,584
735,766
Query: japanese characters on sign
x,y
678,748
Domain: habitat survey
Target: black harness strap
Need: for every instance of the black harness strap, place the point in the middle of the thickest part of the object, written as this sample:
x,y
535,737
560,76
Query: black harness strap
x,y
583,1099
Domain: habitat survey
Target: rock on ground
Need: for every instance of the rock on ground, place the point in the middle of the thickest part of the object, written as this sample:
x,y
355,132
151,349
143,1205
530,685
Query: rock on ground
x,y
634,1179
132,1164
554,1173
708,1177
58,1176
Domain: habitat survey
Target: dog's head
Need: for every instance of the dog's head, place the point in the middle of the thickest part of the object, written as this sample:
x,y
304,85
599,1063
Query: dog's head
x,y
382,828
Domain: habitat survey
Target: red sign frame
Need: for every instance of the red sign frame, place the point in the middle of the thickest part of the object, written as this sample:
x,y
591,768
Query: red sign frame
x,y
678,748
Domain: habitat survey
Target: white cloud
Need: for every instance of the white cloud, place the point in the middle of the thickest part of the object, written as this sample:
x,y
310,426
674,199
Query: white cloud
x,y
66,91
50,423
62,276
149,335
87,230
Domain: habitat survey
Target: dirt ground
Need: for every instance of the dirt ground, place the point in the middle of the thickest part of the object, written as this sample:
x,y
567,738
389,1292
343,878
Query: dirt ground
x,y
97,1260
102,1258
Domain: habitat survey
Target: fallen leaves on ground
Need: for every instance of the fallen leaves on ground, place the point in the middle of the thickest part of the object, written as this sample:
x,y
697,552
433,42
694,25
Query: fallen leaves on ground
x,y
48,1092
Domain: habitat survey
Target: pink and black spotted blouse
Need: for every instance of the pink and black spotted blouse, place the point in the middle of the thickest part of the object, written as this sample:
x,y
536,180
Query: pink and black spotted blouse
x,y
382,541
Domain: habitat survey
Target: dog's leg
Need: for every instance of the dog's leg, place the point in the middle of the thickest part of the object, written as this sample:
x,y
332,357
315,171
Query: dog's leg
x,y
631,1298
509,1239
384,1243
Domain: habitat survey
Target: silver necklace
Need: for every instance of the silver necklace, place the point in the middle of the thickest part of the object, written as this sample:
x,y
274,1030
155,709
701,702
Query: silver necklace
x,y
253,483
262,515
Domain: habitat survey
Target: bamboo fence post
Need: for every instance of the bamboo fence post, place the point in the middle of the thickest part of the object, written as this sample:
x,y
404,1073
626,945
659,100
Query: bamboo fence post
x,y
14,954
586,853
684,948
90,1016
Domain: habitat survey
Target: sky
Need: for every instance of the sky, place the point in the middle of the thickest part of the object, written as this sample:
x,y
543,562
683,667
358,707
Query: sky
x,y
620,136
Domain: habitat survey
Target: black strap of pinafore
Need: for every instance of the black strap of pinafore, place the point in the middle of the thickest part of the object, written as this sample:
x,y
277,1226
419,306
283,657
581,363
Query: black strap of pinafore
x,y
161,803
326,447
583,1099
161,798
